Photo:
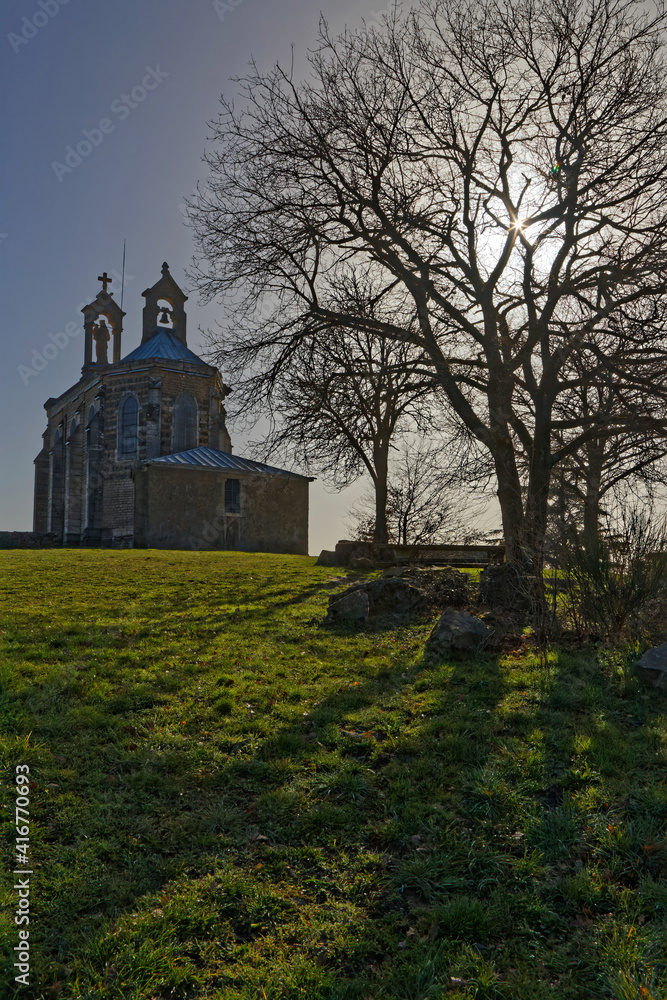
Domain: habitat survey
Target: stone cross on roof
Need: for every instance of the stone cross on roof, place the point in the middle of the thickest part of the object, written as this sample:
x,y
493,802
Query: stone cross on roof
x,y
105,279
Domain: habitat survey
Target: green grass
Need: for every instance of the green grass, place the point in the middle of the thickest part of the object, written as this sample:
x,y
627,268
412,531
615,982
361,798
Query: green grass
x,y
232,801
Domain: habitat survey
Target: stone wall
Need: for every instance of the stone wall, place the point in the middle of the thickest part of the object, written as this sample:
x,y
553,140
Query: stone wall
x,y
277,514
27,540
184,508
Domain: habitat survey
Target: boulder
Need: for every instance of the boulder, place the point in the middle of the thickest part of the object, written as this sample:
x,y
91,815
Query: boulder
x,y
394,597
361,562
348,550
457,630
352,606
382,597
393,571
327,558
653,665
446,587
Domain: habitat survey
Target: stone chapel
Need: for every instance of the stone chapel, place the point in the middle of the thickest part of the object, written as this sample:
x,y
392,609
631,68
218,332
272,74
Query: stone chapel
x,y
137,453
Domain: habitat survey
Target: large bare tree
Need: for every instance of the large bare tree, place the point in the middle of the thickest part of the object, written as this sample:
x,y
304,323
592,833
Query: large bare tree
x,y
342,406
497,169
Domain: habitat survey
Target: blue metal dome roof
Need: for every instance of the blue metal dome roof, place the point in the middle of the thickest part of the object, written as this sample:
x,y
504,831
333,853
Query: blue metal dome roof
x,y
163,345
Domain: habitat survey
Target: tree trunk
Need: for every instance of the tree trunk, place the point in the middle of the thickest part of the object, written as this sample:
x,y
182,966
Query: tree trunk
x,y
524,528
381,465
591,514
537,507
511,506
537,501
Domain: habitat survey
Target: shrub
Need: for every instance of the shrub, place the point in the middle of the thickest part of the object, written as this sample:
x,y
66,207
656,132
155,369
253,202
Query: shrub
x,y
615,585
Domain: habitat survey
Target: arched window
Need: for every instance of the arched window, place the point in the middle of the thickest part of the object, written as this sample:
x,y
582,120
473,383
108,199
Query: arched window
x,y
184,436
128,419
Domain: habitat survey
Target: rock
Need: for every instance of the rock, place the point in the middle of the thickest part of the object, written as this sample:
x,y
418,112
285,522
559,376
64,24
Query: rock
x,y
327,558
443,586
361,562
446,587
394,596
457,630
381,597
352,606
396,571
653,665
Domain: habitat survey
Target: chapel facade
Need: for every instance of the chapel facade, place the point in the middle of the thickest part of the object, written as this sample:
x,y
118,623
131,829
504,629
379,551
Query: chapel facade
x,y
137,452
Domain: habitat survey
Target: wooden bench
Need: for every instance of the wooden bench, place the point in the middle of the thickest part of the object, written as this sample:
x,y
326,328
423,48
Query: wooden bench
x,y
463,556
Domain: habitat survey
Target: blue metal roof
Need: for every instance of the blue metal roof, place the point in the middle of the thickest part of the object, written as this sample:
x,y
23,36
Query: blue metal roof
x,y
163,344
211,458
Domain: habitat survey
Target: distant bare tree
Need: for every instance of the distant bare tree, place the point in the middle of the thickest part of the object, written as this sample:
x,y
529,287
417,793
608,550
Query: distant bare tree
x,y
498,168
425,501
606,474
343,404
611,465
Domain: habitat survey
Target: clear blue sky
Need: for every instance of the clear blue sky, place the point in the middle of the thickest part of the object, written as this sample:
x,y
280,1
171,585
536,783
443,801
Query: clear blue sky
x,y
64,69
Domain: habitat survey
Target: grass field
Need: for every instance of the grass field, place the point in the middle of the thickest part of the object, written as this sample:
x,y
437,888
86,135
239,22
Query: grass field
x,y
229,800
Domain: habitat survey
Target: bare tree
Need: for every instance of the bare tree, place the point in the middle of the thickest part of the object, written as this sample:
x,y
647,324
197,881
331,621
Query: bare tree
x,y
498,168
343,404
606,474
610,467
425,502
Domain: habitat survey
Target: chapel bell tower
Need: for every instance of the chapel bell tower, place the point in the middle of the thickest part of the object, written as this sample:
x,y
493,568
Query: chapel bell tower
x,y
97,334
164,308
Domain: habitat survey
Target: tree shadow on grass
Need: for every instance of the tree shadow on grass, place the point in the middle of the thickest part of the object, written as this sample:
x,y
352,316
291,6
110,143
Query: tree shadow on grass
x,y
331,835
602,742
595,819
375,624
155,812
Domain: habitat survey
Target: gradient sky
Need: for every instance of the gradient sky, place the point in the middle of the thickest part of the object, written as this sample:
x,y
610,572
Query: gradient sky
x,y
64,67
